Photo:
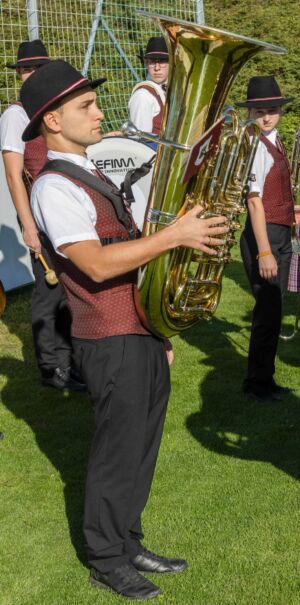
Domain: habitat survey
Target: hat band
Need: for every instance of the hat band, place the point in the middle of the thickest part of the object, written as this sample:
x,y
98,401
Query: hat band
x,y
31,58
62,93
265,99
157,52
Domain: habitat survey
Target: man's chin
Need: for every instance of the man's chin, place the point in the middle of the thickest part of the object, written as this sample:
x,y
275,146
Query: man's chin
x,y
95,138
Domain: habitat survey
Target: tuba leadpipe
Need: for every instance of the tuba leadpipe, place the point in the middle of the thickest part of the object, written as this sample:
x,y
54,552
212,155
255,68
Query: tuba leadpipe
x,y
184,285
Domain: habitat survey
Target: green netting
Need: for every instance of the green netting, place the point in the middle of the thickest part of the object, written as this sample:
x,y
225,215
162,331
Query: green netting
x,y
66,28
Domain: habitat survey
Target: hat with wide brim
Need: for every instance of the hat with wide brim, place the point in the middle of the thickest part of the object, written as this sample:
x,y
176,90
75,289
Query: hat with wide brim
x,y
156,50
47,86
263,91
30,54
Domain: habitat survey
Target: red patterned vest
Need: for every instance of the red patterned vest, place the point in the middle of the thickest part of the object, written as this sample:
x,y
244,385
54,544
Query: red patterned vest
x,y
277,194
105,309
35,156
156,122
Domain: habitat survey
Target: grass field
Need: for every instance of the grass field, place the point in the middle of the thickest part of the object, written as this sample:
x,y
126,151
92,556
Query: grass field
x,y
226,490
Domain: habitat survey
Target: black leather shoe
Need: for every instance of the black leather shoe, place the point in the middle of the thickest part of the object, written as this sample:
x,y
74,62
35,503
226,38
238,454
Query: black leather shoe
x,y
260,393
62,379
148,561
125,580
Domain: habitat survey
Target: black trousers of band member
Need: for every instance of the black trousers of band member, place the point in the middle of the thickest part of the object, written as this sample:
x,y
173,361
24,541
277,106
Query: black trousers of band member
x,y
128,381
51,321
267,312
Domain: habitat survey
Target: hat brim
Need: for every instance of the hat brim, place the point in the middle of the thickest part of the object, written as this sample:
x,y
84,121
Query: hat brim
x,y
28,63
163,57
32,129
264,103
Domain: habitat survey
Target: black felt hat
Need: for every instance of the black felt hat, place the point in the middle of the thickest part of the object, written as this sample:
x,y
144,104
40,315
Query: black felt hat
x,y
263,91
156,49
30,54
47,86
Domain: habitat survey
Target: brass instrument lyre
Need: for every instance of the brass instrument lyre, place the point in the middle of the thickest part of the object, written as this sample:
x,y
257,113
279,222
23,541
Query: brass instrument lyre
x,y
184,285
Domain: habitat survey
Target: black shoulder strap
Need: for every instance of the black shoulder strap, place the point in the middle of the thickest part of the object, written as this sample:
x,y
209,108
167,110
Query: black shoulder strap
x,y
134,175
111,192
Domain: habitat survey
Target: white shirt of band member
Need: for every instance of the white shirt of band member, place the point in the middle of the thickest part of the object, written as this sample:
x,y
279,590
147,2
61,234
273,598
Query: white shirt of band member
x,y
71,216
262,164
143,106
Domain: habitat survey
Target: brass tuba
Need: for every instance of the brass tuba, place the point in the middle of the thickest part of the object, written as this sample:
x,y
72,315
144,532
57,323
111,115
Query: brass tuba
x,y
184,285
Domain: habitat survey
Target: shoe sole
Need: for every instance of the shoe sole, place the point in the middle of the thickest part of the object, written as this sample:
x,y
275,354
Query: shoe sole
x,y
64,388
97,584
156,571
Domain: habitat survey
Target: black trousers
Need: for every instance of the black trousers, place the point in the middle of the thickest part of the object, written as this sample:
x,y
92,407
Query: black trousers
x,y
267,312
51,321
128,381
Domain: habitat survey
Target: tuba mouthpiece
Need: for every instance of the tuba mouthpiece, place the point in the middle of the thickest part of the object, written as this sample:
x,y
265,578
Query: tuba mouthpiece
x,y
128,129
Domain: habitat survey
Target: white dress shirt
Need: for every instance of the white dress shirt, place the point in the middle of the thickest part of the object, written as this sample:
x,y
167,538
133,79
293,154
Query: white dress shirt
x,y
262,164
12,125
143,106
64,211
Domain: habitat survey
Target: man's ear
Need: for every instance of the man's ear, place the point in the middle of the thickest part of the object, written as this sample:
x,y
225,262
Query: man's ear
x,y
51,120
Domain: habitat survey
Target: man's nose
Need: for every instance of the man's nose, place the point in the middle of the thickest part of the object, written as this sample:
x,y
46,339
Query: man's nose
x,y
100,115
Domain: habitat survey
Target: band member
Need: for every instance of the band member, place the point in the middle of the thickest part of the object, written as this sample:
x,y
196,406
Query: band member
x,y
147,101
22,162
266,239
96,252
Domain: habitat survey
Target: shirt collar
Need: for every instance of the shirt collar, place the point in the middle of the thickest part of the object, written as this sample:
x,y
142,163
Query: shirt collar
x,y
80,160
271,136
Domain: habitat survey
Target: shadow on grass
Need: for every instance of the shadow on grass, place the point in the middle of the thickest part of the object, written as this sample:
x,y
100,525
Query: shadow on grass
x,y
61,423
228,422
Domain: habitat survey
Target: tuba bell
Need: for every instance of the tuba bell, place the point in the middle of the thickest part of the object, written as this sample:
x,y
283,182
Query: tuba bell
x,y
184,285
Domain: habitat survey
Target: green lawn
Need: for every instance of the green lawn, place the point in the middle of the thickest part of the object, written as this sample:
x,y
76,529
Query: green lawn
x,y
226,491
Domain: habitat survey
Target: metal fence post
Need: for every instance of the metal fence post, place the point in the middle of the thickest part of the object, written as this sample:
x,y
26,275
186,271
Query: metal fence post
x,y
200,18
33,19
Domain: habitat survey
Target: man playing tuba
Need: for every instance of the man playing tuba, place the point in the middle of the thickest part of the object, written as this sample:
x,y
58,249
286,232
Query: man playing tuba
x,y
96,252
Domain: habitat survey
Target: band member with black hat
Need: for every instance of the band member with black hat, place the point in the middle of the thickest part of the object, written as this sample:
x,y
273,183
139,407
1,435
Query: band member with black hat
x,y
96,251
23,161
266,239
146,104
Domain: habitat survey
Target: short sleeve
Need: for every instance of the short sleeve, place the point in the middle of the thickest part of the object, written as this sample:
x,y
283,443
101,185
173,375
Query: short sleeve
x,y
143,107
12,125
262,164
64,211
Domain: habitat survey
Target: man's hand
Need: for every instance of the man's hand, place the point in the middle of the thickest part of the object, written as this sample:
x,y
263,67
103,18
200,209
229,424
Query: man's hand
x,y
31,239
201,233
267,266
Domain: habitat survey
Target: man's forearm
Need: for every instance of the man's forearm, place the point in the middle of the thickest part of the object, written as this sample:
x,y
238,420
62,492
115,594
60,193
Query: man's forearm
x,y
21,203
101,263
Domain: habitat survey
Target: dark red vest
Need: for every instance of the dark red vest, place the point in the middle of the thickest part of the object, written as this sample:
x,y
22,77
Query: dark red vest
x,y
156,122
106,309
277,193
35,156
